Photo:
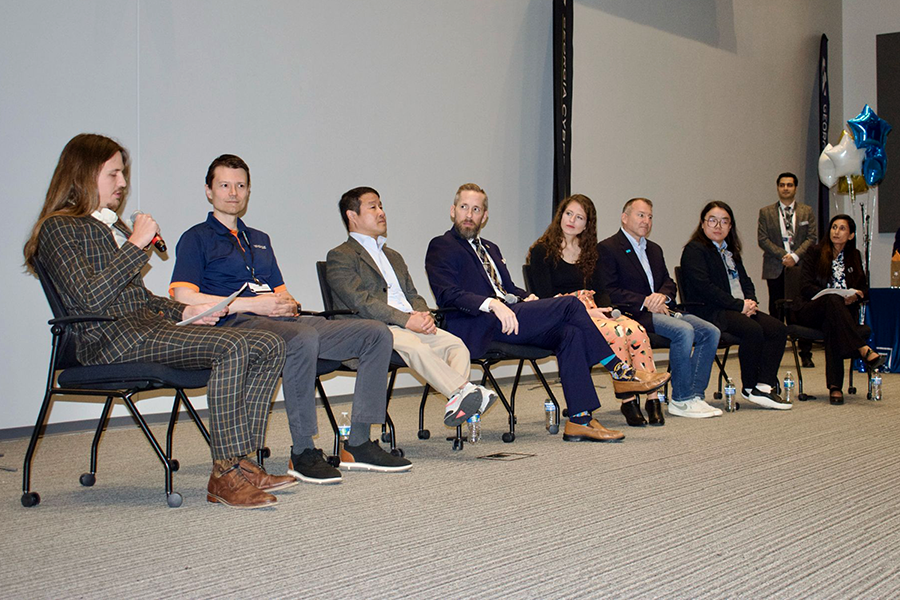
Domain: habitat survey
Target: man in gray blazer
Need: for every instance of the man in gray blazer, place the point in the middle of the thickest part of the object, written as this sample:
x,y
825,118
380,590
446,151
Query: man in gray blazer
x,y
786,231
368,277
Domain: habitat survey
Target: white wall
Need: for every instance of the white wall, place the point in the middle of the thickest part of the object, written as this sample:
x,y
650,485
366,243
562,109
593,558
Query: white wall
x,y
700,99
863,20
318,97
709,101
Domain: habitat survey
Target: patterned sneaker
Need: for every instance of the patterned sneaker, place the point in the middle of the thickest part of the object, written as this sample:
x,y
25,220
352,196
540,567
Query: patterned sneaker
x,y
369,456
462,405
487,398
310,466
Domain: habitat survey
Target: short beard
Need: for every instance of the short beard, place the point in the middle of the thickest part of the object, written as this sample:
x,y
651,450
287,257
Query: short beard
x,y
469,234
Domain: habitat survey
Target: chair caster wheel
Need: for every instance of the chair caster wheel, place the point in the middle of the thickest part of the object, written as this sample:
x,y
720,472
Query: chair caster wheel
x,y
174,465
802,397
717,395
508,437
565,412
424,434
30,499
398,452
174,500
334,461
386,438
851,390
87,479
552,430
458,444
737,406
868,395
265,452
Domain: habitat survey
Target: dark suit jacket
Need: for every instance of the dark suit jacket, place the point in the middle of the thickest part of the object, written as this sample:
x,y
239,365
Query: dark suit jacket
x,y
459,280
768,234
94,276
624,278
704,279
811,283
357,284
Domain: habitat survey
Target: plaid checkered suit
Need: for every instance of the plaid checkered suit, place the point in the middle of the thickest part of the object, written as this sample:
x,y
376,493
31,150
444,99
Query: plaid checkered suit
x,y
93,275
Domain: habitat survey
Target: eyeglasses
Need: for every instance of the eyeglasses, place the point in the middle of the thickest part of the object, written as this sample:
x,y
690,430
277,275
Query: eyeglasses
x,y
714,222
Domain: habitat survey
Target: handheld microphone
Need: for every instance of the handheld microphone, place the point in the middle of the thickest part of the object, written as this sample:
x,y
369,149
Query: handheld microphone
x,y
510,299
616,313
674,314
157,239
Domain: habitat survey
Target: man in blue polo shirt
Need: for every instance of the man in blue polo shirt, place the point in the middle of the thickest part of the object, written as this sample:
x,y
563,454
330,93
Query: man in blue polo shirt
x,y
217,257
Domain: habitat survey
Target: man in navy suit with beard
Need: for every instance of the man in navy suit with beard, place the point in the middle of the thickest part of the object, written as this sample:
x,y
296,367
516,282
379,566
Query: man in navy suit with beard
x,y
469,273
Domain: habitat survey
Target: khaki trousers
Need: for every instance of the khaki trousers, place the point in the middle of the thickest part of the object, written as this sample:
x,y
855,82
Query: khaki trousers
x,y
441,359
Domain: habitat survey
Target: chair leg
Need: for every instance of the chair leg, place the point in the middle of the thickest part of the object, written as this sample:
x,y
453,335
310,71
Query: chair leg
x,y
547,389
510,435
423,433
334,426
800,395
30,498
101,427
387,428
723,374
173,498
194,416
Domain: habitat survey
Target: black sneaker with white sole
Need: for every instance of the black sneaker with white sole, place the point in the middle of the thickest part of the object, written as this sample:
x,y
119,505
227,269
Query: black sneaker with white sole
x,y
310,466
369,456
765,399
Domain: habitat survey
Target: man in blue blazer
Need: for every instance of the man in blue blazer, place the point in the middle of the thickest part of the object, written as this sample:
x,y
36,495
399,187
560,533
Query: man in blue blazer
x,y
469,273
634,273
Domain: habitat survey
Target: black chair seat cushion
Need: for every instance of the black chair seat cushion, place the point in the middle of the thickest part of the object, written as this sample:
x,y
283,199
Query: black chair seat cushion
x,y
138,376
504,351
727,339
658,341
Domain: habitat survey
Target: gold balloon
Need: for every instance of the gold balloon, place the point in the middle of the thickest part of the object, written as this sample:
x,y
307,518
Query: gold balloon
x,y
859,184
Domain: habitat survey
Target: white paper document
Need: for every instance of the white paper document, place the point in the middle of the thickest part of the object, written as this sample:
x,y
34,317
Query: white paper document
x,y
839,291
225,302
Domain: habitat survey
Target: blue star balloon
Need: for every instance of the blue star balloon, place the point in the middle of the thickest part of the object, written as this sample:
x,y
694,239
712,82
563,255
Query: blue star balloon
x,y
874,165
869,129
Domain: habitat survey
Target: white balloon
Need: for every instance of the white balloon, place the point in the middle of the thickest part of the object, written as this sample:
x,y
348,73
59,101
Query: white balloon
x,y
841,160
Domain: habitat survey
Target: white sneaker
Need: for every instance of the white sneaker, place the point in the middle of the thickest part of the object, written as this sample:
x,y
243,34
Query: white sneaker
x,y
692,409
765,399
487,398
718,411
462,405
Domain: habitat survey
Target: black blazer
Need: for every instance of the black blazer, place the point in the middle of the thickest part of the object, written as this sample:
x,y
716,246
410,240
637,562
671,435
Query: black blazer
x,y
811,284
706,291
624,279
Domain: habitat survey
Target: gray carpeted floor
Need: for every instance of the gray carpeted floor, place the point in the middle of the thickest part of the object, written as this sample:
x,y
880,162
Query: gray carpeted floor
x,y
754,504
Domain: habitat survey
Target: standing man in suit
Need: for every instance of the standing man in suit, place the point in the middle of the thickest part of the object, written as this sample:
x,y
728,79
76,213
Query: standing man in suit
x,y
633,271
786,231
217,257
94,261
469,273
368,277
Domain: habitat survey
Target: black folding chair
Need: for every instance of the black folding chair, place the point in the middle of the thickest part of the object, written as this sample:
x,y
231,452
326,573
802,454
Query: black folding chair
x,y
498,352
726,340
388,432
796,333
67,376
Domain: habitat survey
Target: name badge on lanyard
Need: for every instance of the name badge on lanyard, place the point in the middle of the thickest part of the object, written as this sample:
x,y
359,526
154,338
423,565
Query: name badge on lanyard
x,y
259,288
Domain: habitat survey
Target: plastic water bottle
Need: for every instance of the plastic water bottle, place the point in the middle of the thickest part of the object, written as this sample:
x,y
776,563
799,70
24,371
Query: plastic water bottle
x,y
344,426
549,415
876,386
729,396
788,388
474,424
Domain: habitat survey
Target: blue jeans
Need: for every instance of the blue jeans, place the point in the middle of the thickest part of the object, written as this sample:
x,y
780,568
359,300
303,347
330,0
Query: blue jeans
x,y
690,371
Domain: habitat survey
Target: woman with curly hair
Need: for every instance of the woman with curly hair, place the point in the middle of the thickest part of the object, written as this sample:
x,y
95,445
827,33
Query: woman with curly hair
x,y
564,261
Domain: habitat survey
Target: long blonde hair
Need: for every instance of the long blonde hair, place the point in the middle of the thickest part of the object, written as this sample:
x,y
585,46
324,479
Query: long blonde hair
x,y
73,188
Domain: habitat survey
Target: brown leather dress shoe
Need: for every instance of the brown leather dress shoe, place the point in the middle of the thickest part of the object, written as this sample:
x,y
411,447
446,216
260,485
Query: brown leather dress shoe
x,y
592,432
231,488
643,382
256,475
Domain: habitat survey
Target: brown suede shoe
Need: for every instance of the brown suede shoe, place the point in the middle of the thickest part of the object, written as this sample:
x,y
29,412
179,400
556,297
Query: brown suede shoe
x,y
592,432
643,382
232,489
261,480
